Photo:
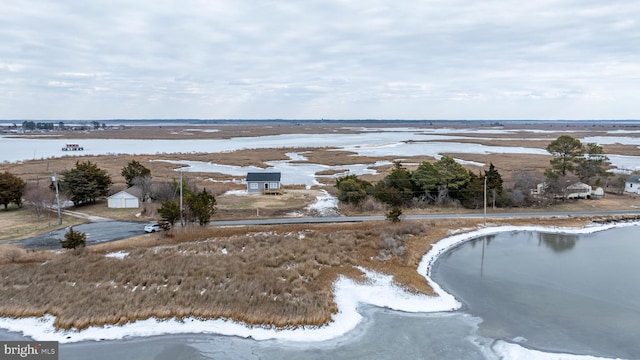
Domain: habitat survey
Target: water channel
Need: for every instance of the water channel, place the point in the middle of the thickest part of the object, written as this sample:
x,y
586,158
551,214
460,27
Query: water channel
x,y
525,294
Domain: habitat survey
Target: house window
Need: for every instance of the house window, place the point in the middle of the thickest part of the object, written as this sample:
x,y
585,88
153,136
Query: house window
x,y
273,185
253,186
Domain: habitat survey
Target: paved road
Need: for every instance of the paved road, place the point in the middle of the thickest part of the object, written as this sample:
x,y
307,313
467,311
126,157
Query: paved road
x,y
103,230
97,232
308,220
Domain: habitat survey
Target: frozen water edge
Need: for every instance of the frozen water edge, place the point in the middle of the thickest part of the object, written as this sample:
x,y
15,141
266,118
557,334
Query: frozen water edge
x,y
379,291
325,205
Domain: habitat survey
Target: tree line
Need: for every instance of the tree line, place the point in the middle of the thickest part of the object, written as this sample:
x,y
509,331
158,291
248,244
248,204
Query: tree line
x,y
446,182
442,182
48,126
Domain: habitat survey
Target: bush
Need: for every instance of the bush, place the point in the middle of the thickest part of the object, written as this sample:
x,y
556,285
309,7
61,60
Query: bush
x,y
393,215
74,239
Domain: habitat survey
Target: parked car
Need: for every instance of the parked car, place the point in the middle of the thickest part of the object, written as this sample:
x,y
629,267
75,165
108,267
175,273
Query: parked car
x,y
152,228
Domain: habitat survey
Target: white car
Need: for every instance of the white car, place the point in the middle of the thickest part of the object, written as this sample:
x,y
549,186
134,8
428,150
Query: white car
x,y
152,228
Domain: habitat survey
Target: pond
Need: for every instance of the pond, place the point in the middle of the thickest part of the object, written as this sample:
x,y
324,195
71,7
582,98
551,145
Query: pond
x,y
554,292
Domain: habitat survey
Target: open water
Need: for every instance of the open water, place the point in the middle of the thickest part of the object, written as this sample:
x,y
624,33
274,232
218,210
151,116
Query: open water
x,y
575,294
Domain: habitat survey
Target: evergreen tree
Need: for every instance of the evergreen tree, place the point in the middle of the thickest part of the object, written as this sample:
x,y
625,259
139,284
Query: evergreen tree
x,y
494,185
202,205
592,165
133,171
389,195
170,212
84,183
567,153
394,214
472,195
74,239
351,189
11,189
438,178
494,180
397,188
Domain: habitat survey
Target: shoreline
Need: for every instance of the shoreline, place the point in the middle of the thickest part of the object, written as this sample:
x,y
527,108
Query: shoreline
x,y
379,290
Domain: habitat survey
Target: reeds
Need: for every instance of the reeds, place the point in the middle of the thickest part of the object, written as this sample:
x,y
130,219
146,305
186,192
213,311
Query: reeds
x,y
269,276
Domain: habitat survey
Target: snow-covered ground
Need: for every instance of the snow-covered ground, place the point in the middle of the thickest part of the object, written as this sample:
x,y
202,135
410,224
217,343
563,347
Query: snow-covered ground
x,y
379,291
325,205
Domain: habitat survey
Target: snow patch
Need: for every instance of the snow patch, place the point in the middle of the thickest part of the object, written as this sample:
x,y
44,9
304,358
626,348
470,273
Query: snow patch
x,y
118,255
325,205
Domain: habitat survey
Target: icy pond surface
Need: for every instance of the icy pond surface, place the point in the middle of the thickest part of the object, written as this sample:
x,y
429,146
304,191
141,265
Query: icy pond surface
x,y
564,293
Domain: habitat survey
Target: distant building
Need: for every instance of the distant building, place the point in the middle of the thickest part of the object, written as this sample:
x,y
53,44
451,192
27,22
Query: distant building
x,y
575,191
539,190
579,191
264,182
632,184
598,193
125,199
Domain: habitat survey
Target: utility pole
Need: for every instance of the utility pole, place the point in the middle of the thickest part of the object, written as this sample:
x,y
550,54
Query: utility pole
x,y
181,220
55,181
485,199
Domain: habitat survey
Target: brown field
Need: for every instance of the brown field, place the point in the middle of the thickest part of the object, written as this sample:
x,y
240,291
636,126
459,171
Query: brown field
x,y
276,275
22,223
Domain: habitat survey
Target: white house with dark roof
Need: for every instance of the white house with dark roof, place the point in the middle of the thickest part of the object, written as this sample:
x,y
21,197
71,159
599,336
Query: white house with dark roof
x,y
264,183
632,184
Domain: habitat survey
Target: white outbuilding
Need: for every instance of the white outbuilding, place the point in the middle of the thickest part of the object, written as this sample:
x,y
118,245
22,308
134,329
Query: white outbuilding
x,y
579,191
632,184
124,199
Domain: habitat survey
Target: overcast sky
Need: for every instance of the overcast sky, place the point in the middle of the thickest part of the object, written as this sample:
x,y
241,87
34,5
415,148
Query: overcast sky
x,y
332,59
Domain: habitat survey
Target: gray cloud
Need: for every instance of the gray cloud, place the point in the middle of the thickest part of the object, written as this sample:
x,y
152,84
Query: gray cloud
x,y
319,59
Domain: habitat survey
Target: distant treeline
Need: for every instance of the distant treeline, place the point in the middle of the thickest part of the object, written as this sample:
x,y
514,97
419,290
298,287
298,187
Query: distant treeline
x,y
476,122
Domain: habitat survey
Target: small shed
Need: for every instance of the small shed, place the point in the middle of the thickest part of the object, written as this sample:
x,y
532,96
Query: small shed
x,y
125,199
598,193
632,184
264,182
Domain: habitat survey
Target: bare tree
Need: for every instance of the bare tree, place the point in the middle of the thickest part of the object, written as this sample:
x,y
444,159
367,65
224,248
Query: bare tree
x,y
164,191
40,199
144,182
525,180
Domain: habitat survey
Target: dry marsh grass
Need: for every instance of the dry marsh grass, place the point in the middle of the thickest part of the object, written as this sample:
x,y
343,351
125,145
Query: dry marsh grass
x,y
22,223
279,276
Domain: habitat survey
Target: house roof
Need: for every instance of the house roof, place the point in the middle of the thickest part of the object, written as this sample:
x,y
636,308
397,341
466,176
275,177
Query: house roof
x,y
263,176
635,178
133,192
